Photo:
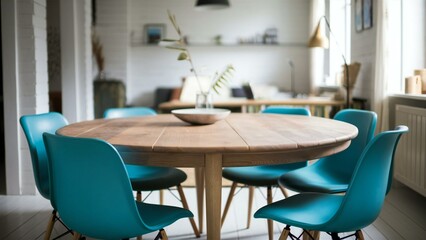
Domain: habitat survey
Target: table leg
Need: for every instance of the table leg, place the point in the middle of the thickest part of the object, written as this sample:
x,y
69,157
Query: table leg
x,y
199,184
213,177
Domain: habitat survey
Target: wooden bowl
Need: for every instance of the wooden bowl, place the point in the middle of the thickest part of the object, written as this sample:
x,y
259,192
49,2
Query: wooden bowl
x,y
201,116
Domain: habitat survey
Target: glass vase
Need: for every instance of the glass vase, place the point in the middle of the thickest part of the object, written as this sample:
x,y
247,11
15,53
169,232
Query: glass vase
x,y
204,100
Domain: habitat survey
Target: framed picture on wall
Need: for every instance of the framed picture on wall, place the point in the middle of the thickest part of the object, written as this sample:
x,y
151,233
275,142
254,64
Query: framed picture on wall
x,y
153,33
358,15
367,11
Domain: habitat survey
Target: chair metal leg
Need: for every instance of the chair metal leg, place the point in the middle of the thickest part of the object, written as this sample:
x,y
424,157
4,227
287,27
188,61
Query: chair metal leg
x,y
250,205
270,222
284,234
185,205
359,235
335,236
228,201
199,183
49,228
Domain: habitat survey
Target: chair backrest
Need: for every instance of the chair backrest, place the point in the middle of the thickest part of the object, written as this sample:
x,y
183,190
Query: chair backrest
x,y
367,188
90,188
343,163
287,110
128,112
34,126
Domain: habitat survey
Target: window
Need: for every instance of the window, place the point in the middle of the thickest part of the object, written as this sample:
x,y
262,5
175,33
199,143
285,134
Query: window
x,y
407,41
395,46
339,13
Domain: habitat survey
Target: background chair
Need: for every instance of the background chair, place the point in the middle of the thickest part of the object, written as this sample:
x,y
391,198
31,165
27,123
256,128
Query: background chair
x,y
261,176
34,126
332,174
358,208
128,112
78,167
149,178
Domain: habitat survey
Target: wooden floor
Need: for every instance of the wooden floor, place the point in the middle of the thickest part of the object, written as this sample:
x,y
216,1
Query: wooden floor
x,y
403,217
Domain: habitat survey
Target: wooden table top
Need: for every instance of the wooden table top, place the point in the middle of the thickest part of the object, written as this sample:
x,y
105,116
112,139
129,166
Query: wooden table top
x,y
235,137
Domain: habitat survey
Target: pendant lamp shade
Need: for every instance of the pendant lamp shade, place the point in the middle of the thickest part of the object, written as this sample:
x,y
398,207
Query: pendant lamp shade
x,y
212,4
318,39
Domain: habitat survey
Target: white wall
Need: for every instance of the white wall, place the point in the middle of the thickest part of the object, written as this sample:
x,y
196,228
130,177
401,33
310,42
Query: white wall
x,y
111,27
25,83
363,50
149,67
76,48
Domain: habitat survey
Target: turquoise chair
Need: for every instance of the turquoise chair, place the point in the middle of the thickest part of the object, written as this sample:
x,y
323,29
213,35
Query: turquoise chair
x,y
128,112
34,126
78,167
261,176
332,174
335,213
149,178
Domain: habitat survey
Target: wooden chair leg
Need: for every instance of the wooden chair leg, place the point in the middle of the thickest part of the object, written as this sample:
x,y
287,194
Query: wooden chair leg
x,y
185,205
284,191
316,235
139,196
161,197
139,199
312,234
250,205
359,235
284,234
49,228
163,235
228,201
270,222
76,236
199,183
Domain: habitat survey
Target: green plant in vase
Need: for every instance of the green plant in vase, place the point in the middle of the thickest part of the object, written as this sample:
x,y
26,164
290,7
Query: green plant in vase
x,y
218,80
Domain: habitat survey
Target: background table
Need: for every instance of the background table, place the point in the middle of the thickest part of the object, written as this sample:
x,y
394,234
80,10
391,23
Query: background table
x,y
324,105
239,140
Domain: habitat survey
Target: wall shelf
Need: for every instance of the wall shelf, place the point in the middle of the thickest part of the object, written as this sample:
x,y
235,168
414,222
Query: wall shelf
x,y
299,45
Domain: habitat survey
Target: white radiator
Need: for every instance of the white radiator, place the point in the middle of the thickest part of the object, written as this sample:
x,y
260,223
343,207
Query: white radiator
x,y
410,157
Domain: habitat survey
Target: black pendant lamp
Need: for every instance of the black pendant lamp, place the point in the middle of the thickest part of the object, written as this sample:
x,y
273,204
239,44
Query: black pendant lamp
x,y
212,4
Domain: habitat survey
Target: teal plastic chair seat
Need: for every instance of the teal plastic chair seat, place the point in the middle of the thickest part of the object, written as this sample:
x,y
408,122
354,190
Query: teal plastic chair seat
x,y
144,178
78,167
332,174
314,179
259,175
164,215
358,208
308,210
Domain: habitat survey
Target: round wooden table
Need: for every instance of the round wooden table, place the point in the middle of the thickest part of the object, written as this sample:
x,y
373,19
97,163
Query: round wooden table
x,y
239,140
